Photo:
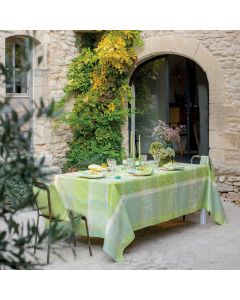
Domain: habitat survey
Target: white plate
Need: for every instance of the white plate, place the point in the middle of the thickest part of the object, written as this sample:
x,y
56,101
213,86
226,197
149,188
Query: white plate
x,y
87,174
172,168
141,173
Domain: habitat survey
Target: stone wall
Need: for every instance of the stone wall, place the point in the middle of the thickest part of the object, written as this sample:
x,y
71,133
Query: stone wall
x,y
224,108
229,187
58,49
61,51
224,111
213,51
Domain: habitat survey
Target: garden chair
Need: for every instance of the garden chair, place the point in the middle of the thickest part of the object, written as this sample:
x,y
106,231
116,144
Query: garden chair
x,y
194,157
202,160
50,206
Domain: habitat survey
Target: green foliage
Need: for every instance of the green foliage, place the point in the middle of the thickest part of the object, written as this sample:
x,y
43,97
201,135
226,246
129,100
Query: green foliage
x,y
98,81
80,72
17,169
159,149
89,39
18,190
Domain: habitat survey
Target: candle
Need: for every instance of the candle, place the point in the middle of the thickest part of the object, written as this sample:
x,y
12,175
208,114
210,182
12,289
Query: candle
x,y
131,144
139,147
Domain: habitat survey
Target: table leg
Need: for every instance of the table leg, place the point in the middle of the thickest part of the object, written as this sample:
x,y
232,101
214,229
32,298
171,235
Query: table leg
x,y
203,217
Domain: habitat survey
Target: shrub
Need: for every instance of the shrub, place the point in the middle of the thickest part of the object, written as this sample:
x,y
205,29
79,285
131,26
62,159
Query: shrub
x,y
98,81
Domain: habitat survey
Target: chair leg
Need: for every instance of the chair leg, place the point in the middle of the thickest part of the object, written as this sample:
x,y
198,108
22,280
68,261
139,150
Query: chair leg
x,y
184,217
73,234
74,240
49,243
89,244
36,235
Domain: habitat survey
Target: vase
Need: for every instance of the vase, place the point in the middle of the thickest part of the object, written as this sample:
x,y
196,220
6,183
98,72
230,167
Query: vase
x,y
169,145
164,161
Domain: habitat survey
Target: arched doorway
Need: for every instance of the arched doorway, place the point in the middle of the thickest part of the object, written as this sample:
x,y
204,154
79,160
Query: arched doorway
x,y
194,50
174,89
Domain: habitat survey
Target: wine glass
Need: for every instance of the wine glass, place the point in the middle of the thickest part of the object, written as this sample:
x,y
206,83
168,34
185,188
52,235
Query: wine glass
x,y
130,162
112,163
156,158
143,159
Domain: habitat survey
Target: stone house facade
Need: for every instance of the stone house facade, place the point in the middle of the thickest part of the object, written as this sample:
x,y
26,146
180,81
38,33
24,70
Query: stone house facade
x,y
216,52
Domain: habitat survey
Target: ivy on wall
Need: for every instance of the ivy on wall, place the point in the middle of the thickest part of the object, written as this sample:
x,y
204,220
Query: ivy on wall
x,y
98,81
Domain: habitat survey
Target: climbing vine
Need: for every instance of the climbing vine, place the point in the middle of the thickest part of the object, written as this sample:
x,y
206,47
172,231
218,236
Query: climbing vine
x,y
98,82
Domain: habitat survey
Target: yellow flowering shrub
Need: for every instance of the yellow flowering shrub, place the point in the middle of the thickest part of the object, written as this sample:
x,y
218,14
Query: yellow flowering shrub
x,y
113,53
98,79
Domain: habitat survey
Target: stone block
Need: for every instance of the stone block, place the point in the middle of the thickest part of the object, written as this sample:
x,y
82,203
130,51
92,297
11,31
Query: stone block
x,y
237,183
231,159
216,123
186,47
161,45
224,187
223,195
42,134
216,155
233,196
233,124
204,58
223,110
215,77
143,52
233,178
223,141
226,169
221,179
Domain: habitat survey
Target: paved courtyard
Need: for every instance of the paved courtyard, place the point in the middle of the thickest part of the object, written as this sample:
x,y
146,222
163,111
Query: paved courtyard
x,y
172,245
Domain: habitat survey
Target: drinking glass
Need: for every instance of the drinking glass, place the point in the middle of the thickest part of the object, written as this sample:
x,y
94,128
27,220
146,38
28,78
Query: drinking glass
x,y
112,163
156,158
125,162
130,162
143,159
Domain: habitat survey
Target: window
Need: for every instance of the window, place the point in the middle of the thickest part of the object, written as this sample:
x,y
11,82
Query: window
x,y
17,58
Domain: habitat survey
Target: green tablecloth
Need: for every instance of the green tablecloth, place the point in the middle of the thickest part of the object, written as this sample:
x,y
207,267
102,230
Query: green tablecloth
x,y
115,208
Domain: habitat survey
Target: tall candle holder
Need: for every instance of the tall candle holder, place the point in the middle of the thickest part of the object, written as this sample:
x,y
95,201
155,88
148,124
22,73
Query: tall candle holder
x,y
131,163
132,151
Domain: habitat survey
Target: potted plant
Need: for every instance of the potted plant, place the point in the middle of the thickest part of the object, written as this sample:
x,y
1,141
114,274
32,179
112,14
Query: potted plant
x,y
161,153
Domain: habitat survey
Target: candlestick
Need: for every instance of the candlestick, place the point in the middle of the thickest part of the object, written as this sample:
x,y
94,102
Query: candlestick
x,y
133,147
139,147
131,144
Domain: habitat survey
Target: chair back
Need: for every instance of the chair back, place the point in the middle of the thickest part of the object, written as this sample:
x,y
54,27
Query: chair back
x,y
194,157
49,202
43,206
203,159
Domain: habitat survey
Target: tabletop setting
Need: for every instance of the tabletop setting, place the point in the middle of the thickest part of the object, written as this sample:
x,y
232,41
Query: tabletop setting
x,y
118,199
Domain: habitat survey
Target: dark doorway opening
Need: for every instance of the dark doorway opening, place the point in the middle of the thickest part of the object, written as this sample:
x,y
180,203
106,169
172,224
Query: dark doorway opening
x,y
173,89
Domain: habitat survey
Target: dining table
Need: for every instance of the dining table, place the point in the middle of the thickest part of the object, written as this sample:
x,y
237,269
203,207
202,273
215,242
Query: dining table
x,y
117,206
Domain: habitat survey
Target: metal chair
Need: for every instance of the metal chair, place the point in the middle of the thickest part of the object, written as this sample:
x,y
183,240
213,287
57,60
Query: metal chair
x,y
51,218
194,157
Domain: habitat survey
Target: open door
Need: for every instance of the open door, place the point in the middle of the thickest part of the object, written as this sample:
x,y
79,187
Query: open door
x,y
173,89
151,100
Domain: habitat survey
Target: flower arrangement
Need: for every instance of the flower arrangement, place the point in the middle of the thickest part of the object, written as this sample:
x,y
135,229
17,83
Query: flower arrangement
x,y
167,134
164,154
